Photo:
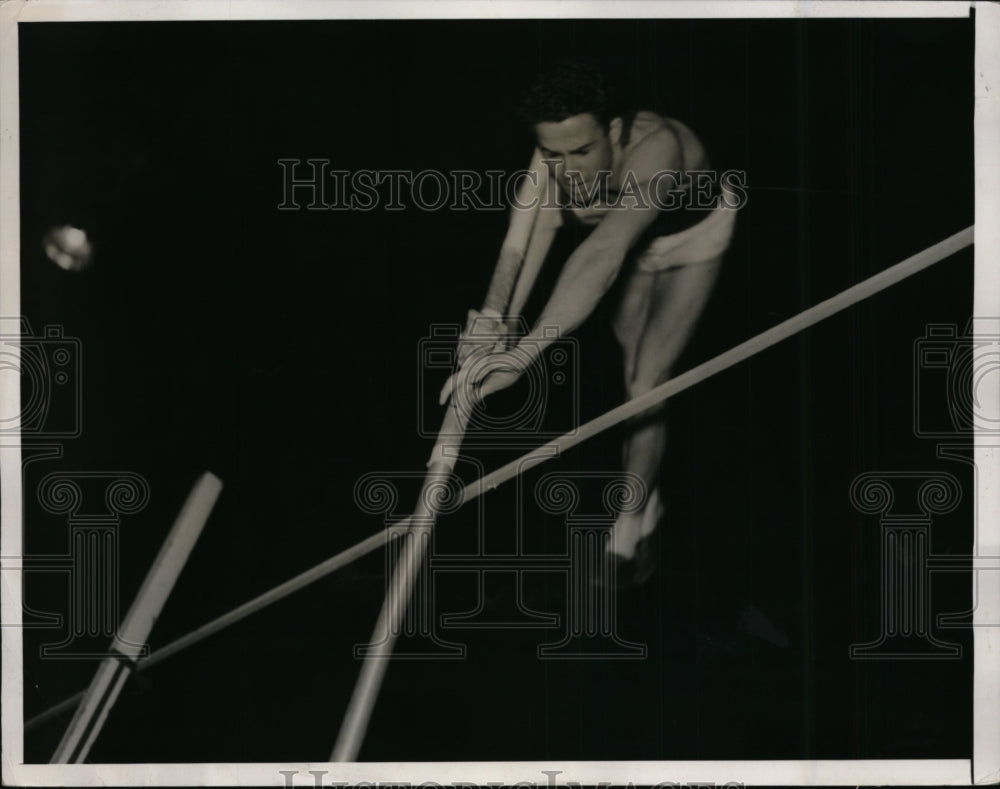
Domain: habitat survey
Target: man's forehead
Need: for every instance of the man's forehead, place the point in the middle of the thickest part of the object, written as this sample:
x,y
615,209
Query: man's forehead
x,y
569,134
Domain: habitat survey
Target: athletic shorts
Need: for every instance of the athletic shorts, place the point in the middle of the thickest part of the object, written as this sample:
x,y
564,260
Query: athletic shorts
x,y
699,243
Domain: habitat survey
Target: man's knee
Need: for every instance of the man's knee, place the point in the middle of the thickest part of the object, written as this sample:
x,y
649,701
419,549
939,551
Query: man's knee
x,y
641,382
640,385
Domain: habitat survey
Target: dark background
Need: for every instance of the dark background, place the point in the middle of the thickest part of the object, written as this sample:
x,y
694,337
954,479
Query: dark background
x,y
280,349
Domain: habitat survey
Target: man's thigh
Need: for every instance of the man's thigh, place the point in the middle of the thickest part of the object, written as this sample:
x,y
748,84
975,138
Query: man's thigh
x,y
676,299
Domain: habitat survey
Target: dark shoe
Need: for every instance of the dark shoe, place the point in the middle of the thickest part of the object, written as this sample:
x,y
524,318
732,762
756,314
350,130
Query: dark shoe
x,y
647,550
625,573
638,569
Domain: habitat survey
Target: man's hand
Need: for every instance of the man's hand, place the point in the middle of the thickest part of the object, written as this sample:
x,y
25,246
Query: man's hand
x,y
496,372
483,329
485,332
484,375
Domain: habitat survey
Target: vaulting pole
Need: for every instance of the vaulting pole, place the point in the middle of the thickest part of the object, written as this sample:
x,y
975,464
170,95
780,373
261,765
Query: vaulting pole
x,y
131,636
404,576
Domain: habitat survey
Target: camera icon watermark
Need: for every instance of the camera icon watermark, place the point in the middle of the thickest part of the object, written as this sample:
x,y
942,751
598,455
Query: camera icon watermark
x,y
951,373
546,403
48,366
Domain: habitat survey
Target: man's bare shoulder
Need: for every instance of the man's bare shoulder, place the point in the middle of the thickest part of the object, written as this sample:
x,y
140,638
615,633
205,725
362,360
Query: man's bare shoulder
x,y
663,143
660,148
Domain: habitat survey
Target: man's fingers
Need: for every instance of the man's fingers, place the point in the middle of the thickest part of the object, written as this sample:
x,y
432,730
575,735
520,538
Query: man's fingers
x,y
467,348
492,383
472,387
468,345
481,391
494,370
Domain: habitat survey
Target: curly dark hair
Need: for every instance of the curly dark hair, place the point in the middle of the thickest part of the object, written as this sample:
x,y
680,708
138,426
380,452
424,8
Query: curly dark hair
x,y
571,88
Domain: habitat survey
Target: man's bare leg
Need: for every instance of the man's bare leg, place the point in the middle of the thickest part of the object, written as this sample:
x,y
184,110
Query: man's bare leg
x,y
666,307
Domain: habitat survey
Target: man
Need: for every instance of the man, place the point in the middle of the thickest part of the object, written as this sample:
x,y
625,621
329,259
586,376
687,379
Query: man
x,y
628,177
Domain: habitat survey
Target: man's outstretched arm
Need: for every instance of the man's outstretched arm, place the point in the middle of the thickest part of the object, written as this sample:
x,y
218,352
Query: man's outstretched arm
x,y
525,244
504,278
523,217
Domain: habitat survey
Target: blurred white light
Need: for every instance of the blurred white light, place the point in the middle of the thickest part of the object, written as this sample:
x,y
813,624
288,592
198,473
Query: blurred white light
x,y
68,247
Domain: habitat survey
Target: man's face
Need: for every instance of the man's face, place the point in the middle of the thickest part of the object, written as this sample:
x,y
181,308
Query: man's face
x,y
577,144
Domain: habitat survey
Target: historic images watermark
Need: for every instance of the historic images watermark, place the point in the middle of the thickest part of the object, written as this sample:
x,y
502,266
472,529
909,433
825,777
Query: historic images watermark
x,y
313,185
318,779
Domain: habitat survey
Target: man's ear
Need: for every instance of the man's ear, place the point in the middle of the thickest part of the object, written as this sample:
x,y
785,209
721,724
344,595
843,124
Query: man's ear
x,y
615,130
